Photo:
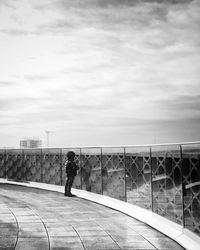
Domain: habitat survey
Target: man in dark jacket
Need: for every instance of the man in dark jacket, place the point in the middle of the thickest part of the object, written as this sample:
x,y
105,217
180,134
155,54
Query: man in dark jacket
x,y
71,171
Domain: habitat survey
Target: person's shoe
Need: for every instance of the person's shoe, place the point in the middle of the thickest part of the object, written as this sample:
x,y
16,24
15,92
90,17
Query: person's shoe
x,y
70,195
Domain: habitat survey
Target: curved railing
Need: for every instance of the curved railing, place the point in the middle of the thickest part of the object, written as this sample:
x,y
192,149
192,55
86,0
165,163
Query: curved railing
x,y
162,178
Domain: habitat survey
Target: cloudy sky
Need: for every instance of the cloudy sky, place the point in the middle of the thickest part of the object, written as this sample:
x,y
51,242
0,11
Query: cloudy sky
x,y
99,72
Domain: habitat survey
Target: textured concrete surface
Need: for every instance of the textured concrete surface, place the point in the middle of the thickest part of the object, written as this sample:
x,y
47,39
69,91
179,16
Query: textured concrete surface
x,y
37,219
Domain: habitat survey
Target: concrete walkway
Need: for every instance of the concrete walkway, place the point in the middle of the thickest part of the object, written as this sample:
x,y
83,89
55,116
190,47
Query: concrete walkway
x,y
37,219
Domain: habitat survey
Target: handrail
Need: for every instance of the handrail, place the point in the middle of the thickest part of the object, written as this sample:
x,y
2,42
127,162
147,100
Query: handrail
x,y
110,146
192,184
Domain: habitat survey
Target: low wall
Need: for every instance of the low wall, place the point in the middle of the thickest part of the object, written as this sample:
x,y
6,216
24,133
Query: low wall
x,y
163,179
184,237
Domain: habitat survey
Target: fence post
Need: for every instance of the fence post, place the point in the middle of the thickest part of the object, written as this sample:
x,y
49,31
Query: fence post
x,y
80,165
41,166
23,165
151,179
101,166
125,191
61,182
4,163
182,184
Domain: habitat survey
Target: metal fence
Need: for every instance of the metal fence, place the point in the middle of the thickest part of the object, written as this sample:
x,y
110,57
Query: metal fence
x,y
161,178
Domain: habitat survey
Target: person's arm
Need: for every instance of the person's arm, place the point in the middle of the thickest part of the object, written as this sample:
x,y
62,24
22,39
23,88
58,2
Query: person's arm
x,y
67,167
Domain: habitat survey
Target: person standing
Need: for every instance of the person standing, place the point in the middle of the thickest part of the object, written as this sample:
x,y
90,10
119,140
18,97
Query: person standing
x,y
71,171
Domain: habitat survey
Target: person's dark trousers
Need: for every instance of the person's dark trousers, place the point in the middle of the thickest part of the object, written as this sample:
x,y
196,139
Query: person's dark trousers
x,y
68,185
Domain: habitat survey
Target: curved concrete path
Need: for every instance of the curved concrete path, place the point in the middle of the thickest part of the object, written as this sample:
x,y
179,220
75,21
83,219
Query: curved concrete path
x,y
31,218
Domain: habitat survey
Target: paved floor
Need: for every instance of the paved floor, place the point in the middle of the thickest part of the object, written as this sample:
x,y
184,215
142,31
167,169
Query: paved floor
x,y
37,219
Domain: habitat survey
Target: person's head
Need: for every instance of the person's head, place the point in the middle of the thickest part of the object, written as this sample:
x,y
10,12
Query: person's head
x,y
70,155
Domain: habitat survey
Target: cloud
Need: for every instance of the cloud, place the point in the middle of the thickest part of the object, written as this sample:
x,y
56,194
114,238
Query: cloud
x,y
7,3
102,15
37,77
7,83
182,105
109,67
15,32
20,18
113,3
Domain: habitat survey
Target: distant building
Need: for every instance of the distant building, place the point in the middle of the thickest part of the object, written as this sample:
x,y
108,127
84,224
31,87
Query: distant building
x,y
30,143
